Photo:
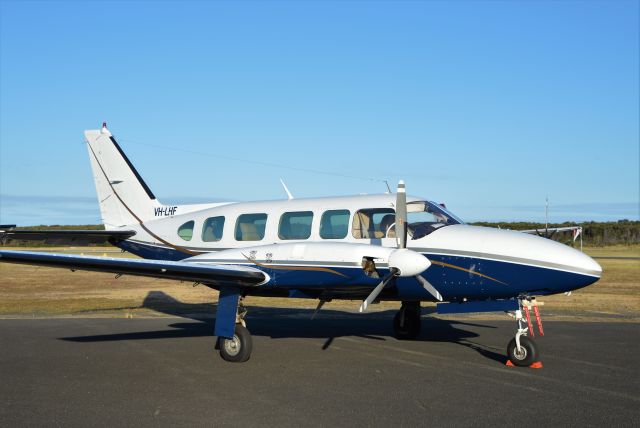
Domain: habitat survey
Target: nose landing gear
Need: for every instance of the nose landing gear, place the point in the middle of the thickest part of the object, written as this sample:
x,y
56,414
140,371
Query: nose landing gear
x,y
522,351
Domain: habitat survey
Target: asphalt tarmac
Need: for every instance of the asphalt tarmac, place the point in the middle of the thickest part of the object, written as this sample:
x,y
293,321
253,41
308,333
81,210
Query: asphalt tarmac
x,y
337,370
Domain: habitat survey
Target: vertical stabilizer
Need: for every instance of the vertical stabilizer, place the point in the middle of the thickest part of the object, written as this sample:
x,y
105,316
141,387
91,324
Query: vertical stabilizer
x,y
123,195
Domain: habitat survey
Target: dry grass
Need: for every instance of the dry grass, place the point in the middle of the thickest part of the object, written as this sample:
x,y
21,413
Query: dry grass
x,y
614,251
28,291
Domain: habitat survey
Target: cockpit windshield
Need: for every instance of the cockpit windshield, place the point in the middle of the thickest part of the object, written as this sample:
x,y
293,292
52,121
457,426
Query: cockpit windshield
x,y
423,217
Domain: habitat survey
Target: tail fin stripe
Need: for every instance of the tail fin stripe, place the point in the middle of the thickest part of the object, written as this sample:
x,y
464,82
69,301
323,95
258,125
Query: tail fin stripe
x,y
133,169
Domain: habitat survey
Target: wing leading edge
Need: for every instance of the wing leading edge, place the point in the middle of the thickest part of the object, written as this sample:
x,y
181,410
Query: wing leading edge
x,y
215,275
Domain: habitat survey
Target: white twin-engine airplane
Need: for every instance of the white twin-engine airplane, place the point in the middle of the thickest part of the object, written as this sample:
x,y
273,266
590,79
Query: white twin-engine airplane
x,y
371,247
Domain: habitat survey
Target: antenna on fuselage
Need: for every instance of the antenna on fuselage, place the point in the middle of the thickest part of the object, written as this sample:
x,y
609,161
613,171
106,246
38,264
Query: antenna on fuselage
x,y
388,188
289,195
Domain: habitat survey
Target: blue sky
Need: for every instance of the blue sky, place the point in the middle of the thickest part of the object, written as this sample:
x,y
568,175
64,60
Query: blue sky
x,y
489,107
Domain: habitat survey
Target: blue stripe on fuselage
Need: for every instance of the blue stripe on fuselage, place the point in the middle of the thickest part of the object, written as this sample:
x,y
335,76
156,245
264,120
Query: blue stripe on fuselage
x,y
472,277
482,278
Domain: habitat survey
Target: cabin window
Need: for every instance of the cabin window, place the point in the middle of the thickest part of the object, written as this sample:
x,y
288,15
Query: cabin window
x,y
250,227
212,229
295,225
334,224
186,230
372,223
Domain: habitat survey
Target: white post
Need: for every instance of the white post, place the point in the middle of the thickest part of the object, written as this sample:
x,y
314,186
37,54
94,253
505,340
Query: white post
x,y
546,217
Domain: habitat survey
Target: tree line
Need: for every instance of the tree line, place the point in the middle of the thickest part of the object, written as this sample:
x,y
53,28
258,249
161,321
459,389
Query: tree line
x,y
594,233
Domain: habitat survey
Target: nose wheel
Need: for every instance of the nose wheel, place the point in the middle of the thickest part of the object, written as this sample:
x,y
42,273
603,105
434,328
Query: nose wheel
x,y
406,323
522,350
524,354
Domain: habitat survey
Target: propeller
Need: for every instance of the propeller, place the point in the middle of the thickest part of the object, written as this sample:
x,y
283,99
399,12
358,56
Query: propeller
x,y
430,288
365,304
403,262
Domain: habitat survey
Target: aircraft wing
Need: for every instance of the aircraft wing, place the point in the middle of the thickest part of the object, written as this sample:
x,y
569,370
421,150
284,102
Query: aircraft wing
x,y
217,275
66,237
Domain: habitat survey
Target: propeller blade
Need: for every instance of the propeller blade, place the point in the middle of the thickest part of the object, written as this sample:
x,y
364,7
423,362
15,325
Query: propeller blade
x,y
401,215
430,288
376,291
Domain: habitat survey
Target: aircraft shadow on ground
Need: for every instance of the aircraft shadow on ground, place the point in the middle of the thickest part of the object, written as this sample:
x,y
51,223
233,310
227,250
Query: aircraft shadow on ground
x,y
279,323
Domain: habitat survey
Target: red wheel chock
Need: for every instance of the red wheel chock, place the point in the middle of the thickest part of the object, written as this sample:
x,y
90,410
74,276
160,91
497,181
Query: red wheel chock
x,y
536,365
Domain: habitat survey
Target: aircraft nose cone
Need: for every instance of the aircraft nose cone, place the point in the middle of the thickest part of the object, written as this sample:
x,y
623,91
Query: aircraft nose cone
x,y
565,257
583,269
586,263
408,262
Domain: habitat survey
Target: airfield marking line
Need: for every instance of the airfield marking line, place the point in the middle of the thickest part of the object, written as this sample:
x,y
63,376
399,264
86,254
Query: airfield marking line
x,y
588,363
501,369
395,360
420,405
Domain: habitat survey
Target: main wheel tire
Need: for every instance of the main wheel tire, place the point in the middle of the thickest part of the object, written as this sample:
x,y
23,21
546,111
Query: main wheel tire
x,y
528,352
238,348
410,329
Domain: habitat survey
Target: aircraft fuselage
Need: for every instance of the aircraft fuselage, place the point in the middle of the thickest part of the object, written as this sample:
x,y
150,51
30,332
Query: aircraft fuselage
x,y
468,262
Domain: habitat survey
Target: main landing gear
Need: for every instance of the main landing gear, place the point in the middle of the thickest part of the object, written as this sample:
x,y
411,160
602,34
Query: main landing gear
x,y
406,323
522,350
237,349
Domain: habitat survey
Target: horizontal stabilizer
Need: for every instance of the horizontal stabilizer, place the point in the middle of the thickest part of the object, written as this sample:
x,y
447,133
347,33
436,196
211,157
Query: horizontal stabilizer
x,y
216,275
550,230
67,237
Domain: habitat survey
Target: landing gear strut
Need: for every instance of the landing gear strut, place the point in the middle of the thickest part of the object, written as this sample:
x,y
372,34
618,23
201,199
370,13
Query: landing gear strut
x,y
406,323
237,349
522,350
